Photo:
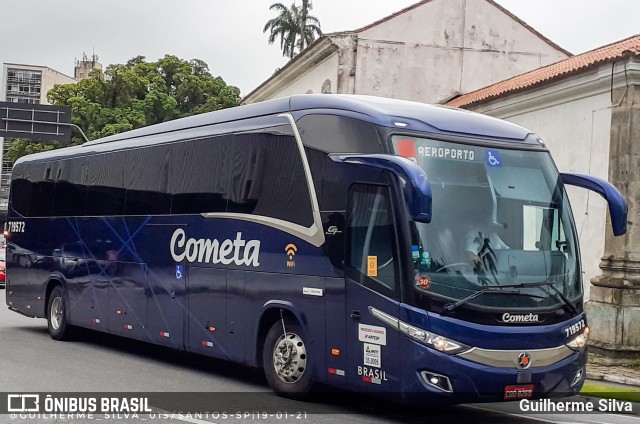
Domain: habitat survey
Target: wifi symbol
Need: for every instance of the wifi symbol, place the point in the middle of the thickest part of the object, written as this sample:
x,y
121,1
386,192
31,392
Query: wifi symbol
x,y
291,250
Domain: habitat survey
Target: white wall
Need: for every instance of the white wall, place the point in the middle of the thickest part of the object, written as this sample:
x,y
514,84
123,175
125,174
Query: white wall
x,y
446,47
50,78
429,54
312,81
573,117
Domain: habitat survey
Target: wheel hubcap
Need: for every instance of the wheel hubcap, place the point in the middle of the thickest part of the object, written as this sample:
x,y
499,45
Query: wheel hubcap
x,y
56,313
290,358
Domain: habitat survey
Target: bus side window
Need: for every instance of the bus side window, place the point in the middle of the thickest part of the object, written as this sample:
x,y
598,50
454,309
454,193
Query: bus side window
x,y
268,177
42,190
20,190
372,259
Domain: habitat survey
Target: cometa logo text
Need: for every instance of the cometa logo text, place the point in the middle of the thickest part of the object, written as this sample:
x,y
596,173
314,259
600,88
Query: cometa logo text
x,y
238,251
507,317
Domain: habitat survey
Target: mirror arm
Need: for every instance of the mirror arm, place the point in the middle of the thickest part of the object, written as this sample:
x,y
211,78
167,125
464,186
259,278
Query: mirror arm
x,y
617,206
415,183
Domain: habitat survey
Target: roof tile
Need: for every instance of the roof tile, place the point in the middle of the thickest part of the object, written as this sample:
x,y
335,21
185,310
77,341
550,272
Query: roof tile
x,y
551,72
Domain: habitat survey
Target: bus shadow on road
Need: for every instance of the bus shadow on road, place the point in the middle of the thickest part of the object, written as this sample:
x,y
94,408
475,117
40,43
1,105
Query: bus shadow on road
x,y
324,400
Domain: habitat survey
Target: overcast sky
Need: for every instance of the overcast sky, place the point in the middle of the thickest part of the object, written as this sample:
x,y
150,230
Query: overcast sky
x,y
227,34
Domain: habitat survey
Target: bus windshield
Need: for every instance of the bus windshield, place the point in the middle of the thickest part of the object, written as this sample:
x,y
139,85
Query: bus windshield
x,y
501,224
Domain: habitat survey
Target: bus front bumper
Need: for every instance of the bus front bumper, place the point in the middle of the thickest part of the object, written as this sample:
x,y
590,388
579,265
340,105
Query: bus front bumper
x,y
452,378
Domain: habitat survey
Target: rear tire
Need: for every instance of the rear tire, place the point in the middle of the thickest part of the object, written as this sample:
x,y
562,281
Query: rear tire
x,y
59,329
285,360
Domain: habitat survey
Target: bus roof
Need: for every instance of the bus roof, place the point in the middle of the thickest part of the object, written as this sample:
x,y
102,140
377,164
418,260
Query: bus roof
x,y
392,113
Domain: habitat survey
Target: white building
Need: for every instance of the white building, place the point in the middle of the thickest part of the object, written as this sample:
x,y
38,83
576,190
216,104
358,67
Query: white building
x,y
24,84
28,83
428,52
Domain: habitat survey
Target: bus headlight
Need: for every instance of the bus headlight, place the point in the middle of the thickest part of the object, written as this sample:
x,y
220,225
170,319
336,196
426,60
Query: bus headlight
x,y
440,343
580,341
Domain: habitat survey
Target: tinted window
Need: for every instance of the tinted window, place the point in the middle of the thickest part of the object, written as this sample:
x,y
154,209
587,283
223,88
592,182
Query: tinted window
x,y
268,177
371,238
339,134
70,189
199,176
146,180
105,186
42,189
20,190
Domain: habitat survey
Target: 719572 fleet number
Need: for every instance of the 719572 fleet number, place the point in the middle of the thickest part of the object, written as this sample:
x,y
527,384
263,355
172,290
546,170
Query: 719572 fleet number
x,y
14,226
570,331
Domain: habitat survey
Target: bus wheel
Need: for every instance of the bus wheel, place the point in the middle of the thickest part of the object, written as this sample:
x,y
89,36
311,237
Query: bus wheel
x,y
285,360
57,315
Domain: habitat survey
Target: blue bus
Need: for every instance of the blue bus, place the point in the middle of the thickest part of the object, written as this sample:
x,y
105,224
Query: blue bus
x,y
369,244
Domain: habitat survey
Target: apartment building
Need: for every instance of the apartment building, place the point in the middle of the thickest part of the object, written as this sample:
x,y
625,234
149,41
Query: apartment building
x,y
26,84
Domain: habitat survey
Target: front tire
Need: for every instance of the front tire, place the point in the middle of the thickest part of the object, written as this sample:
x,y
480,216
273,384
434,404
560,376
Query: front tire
x,y
285,360
59,329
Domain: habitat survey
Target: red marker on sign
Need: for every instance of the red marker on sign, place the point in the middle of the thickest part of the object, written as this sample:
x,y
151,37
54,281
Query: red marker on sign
x,y
407,149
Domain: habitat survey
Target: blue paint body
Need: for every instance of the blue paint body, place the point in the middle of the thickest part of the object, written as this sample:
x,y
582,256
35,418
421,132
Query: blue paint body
x,y
120,275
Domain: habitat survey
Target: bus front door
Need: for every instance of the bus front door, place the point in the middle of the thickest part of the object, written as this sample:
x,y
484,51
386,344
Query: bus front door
x,y
372,285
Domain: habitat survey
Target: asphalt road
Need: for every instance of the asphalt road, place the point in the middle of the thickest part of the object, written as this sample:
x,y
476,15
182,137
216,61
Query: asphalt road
x,y
32,362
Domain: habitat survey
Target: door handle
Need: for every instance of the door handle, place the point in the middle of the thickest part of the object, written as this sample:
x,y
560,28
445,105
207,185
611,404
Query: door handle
x,y
355,315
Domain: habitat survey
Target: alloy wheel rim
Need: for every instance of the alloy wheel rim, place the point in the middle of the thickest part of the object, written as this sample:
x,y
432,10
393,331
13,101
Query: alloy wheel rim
x,y
290,358
56,313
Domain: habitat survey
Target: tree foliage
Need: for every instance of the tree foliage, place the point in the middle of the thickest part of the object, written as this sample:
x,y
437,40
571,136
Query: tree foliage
x,y
133,95
288,26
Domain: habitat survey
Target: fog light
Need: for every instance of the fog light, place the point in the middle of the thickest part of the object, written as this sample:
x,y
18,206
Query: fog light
x,y
577,378
438,381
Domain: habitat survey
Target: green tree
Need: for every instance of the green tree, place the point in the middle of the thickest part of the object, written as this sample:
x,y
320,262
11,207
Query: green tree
x,y
21,147
293,26
133,95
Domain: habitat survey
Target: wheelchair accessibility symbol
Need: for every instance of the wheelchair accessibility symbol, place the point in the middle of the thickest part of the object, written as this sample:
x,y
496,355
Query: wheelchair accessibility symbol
x,y
493,158
179,272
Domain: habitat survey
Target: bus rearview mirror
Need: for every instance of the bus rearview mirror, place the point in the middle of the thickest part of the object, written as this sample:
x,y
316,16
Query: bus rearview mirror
x,y
617,205
415,183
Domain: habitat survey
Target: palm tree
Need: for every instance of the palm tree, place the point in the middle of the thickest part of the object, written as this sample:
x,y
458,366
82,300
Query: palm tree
x,y
309,25
304,12
288,26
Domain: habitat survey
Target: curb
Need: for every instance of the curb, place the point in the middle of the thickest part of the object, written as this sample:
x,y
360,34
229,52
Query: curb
x,y
618,379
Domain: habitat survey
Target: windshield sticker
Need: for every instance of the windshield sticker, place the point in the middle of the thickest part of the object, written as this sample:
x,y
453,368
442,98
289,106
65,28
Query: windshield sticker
x,y
372,266
422,281
372,334
446,153
425,259
493,159
372,355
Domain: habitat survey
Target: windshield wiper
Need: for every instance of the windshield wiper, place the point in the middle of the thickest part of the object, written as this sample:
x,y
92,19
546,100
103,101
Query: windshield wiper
x,y
493,290
567,302
516,291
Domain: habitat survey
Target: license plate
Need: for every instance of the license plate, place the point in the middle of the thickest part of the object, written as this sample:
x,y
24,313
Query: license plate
x,y
518,392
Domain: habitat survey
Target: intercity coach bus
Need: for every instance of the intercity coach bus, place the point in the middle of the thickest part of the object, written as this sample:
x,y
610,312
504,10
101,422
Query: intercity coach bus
x,y
369,244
